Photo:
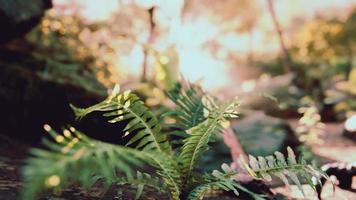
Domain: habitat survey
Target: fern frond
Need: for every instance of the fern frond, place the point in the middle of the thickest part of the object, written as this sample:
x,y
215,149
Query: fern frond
x,y
207,188
200,135
127,106
76,158
190,107
168,169
284,168
223,180
140,181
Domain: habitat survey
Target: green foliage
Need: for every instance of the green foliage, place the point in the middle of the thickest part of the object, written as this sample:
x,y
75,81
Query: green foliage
x,y
76,158
190,107
199,136
224,180
141,180
127,106
283,168
71,155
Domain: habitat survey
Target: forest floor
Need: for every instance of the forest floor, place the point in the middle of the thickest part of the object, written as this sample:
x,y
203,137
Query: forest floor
x,y
334,148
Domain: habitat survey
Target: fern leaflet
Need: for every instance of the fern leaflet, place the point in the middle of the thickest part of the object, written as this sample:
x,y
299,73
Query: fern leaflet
x,y
68,159
190,107
127,106
200,135
141,180
283,168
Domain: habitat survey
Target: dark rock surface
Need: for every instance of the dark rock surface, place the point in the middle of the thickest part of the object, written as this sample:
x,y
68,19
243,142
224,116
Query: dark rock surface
x,y
350,134
28,100
20,16
262,135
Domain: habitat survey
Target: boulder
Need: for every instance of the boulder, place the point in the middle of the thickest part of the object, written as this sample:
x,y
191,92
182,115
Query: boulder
x,y
262,135
276,96
29,100
20,16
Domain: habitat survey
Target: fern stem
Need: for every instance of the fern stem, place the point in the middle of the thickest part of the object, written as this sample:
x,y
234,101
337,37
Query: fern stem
x,y
212,126
280,168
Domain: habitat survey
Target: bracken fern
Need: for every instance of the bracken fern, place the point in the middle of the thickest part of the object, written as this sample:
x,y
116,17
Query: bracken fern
x,y
74,157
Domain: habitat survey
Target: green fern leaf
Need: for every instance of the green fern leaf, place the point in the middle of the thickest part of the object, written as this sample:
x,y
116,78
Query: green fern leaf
x,y
190,107
202,190
127,106
168,169
76,158
200,135
141,180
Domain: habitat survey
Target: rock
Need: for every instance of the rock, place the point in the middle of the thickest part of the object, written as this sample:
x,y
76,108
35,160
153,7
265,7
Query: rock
x,y
276,96
261,135
18,17
28,100
218,154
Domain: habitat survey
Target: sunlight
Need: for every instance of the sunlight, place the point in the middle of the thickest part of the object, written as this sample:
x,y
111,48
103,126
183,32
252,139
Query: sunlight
x,y
196,62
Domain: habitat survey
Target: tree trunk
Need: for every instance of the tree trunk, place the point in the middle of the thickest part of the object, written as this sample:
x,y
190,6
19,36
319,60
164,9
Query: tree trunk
x,y
286,56
150,40
250,44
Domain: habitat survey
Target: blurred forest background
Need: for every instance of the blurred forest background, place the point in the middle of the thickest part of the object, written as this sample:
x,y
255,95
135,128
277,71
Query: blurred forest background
x,y
293,63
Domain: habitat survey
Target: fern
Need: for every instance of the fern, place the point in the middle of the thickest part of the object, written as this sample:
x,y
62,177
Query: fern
x,y
284,169
127,106
74,157
68,159
197,142
140,181
190,107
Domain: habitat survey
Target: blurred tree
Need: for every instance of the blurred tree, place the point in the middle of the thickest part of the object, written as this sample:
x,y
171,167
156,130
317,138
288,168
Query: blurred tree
x,y
324,51
134,26
328,41
286,56
150,40
319,40
347,38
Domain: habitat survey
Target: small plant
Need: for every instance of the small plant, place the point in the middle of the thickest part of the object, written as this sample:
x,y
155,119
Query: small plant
x,y
76,158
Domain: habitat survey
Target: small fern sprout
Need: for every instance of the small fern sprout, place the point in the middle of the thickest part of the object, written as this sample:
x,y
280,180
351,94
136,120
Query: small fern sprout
x,y
286,169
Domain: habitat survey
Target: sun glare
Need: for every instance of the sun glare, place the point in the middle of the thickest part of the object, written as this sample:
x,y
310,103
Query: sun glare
x,y
191,36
